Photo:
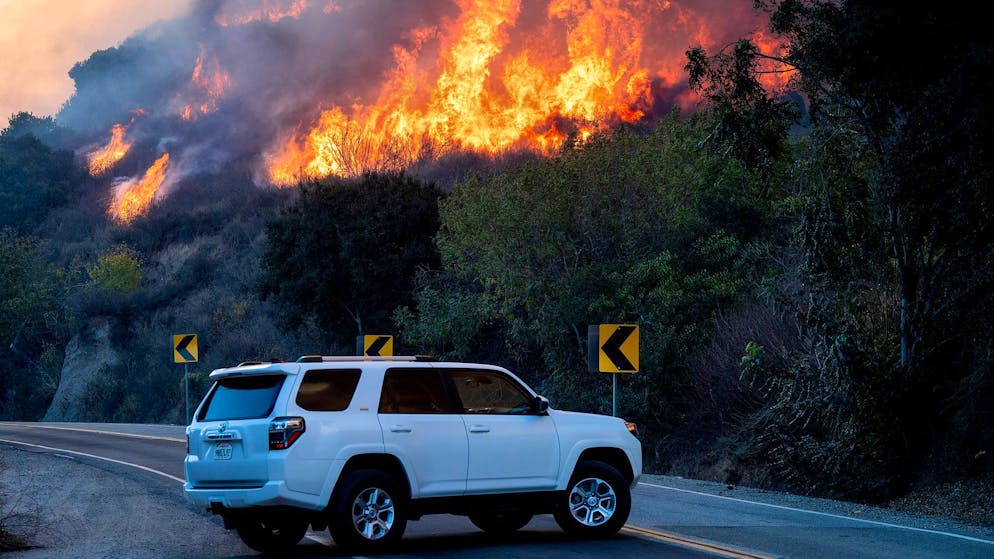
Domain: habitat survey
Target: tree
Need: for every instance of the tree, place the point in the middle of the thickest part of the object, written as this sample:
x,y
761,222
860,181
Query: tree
x,y
634,226
31,318
893,197
345,253
117,270
34,178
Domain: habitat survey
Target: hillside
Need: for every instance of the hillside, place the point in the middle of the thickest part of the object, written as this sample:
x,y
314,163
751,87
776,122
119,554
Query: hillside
x,y
807,253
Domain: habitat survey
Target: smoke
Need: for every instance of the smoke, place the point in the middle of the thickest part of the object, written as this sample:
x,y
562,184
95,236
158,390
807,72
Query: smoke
x,y
41,39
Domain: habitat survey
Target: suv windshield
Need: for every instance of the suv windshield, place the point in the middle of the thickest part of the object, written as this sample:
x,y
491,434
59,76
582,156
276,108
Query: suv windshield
x,y
242,398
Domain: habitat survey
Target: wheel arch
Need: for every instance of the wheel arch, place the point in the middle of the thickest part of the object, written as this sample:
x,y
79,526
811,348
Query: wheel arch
x,y
612,456
387,463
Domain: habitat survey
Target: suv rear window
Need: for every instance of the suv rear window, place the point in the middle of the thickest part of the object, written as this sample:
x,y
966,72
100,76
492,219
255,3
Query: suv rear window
x,y
328,389
242,398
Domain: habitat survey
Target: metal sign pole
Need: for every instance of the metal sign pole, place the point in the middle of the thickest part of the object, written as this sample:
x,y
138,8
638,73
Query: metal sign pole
x,y
614,395
186,381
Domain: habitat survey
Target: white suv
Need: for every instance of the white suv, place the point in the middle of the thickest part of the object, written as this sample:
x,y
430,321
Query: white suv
x,y
362,445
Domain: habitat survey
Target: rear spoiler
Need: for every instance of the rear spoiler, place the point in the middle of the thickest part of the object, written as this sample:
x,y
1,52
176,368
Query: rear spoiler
x,y
253,370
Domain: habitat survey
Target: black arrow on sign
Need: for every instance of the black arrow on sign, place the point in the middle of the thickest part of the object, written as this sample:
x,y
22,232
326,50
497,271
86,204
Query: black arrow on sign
x,y
181,347
377,345
612,348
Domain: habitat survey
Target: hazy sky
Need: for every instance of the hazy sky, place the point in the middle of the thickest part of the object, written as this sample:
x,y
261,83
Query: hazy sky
x,y
40,40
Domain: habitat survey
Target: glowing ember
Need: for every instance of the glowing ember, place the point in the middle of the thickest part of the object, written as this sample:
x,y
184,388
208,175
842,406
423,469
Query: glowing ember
x,y
134,197
272,10
103,159
209,83
485,92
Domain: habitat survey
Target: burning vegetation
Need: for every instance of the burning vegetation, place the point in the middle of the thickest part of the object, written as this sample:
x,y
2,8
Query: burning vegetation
x,y
344,87
208,84
104,158
474,83
134,196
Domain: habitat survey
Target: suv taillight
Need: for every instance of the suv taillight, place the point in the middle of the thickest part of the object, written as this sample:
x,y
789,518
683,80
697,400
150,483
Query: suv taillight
x,y
284,431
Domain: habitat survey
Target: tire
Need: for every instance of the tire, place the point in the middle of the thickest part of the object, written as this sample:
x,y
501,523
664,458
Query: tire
x,y
271,534
369,513
596,502
500,523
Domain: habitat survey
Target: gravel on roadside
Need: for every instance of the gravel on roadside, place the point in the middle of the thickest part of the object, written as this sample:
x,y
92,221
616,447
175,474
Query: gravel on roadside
x,y
70,509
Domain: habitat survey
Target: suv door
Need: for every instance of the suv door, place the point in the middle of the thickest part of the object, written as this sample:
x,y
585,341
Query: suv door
x,y
511,448
421,426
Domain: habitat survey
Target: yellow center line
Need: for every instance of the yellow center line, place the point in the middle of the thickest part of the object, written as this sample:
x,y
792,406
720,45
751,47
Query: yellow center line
x,y
97,431
700,545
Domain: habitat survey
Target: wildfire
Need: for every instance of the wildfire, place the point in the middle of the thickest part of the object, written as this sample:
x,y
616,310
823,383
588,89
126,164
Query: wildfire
x,y
103,159
209,83
774,74
242,12
584,70
134,197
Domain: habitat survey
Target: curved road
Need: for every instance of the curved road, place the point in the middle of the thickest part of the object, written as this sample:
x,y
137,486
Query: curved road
x,y
127,479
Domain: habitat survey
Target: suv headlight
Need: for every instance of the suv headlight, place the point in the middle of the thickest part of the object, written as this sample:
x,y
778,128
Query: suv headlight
x,y
632,428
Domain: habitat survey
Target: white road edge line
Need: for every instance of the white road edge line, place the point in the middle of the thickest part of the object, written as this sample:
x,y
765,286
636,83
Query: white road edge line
x,y
98,431
123,463
94,456
828,514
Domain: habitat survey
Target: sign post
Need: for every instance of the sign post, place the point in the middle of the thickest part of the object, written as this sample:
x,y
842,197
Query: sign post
x,y
374,345
613,348
186,351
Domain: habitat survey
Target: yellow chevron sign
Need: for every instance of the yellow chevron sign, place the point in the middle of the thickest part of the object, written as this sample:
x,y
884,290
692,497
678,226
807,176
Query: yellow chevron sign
x,y
185,348
375,345
613,348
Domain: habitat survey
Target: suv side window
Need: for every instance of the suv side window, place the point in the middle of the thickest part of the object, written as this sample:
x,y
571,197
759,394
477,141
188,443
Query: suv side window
x,y
327,389
490,392
407,390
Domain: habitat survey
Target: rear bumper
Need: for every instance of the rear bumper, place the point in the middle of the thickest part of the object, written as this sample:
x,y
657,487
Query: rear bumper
x,y
272,494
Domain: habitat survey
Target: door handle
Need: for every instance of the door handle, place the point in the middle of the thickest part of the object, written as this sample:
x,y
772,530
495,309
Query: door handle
x,y
400,428
479,429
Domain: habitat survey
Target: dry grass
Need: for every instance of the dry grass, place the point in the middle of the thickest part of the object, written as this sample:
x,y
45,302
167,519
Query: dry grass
x,y
969,500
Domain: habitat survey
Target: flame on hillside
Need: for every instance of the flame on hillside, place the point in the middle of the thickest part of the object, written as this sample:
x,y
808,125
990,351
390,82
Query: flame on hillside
x,y
102,160
584,71
134,196
304,89
208,84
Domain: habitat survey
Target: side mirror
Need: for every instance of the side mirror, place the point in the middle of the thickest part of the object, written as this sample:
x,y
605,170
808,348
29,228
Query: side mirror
x,y
541,405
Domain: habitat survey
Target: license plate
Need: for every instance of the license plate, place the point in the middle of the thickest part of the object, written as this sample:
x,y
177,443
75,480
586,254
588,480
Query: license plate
x,y
222,451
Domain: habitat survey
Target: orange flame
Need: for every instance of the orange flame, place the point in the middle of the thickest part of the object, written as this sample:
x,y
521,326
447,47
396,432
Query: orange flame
x,y
134,197
484,92
209,82
272,10
102,160
773,73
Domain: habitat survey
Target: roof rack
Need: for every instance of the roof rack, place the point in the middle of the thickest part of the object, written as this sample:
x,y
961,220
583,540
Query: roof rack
x,y
337,358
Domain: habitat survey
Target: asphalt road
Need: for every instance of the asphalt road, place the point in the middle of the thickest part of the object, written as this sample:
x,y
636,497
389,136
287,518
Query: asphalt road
x,y
94,490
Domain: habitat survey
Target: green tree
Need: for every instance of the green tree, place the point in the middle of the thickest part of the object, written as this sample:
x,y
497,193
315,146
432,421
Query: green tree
x,y
31,319
117,270
892,193
635,226
34,178
345,253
